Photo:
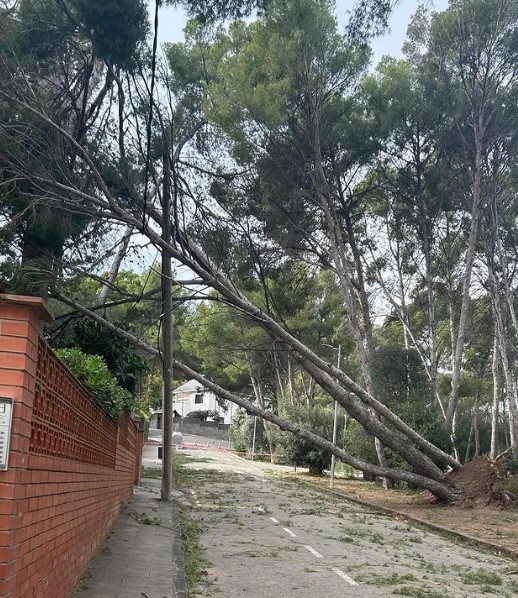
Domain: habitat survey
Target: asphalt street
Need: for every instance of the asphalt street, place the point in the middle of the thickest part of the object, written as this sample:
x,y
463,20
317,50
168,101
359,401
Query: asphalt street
x,y
266,537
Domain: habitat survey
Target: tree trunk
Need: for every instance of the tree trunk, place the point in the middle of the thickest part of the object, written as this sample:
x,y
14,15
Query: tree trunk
x,y
442,489
496,400
501,341
258,393
476,431
291,380
476,206
277,368
115,267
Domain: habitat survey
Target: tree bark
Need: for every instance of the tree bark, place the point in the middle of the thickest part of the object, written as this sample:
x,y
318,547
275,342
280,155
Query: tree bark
x,y
496,400
116,264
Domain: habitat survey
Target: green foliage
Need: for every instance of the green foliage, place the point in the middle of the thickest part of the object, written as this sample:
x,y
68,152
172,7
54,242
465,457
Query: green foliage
x,y
116,28
61,58
241,433
203,414
274,68
296,451
400,382
123,360
93,373
358,443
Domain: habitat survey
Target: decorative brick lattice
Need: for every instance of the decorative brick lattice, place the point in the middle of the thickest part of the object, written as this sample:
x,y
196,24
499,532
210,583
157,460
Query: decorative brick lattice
x,y
65,422
127,433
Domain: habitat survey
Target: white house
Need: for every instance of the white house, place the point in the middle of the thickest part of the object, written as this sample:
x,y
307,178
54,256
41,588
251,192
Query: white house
x,y
193,396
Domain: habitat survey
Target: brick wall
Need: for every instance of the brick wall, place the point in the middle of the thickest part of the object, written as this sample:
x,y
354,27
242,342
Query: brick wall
x,y
70,467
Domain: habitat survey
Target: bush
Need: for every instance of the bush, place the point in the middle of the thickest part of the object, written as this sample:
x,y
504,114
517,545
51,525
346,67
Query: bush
x,y
294,450
93,373
123,360
241,434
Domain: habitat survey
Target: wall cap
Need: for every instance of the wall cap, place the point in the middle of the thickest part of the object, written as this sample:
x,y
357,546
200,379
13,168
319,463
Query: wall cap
x,y
35,303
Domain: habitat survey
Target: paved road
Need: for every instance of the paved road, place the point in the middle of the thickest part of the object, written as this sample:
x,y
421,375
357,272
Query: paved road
x,y
267,537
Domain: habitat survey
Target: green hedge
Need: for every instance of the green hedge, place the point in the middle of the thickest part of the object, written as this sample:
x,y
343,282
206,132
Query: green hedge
x,y
93,373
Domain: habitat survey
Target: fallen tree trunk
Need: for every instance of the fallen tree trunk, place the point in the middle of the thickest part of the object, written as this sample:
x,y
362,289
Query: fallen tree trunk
x,y
443,489
414,449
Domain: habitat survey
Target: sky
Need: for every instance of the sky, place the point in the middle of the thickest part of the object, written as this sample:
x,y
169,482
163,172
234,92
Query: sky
x,y
172,20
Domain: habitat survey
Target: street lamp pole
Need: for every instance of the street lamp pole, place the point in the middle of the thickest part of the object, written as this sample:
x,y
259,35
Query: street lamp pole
x,y
335,425
253,439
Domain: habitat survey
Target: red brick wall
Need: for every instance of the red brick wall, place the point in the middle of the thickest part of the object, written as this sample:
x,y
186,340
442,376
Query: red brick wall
x,y
70,467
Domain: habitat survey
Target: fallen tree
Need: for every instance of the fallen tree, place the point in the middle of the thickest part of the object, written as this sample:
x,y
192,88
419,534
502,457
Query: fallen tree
x,y
100,202
443,489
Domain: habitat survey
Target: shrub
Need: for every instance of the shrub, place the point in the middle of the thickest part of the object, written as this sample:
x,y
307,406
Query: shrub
x,y
294,450
93,373
241,434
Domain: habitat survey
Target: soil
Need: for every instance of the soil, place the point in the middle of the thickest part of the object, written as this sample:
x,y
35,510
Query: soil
x,y
488,512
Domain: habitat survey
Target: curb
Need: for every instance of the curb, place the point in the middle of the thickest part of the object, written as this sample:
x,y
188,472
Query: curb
x,y
497,548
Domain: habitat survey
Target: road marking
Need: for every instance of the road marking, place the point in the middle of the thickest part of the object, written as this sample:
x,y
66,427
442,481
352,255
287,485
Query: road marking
x,y
276,521
289,532
198,503
313,551
343,575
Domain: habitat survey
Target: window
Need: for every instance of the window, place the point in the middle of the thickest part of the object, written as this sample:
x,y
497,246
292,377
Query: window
x,y
198,397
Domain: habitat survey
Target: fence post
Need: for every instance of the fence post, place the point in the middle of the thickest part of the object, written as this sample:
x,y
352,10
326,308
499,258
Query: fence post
x,y
20,319
139,444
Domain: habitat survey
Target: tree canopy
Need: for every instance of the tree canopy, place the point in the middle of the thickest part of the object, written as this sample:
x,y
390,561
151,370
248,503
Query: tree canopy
x,y
319,207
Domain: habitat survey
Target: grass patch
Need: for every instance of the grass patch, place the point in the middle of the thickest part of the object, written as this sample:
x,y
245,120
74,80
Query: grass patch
x,y
482,577
195,563
196,575
388,580
152,473
419,592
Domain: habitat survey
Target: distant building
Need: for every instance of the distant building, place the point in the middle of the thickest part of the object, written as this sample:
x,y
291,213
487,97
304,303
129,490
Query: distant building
x,y
193,396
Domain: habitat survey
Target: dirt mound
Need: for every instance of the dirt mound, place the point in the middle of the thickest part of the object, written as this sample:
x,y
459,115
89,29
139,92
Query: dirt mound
x,y
483,482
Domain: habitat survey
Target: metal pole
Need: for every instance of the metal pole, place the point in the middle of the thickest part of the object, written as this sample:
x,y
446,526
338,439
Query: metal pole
x,y
253,438
335,425
229,440
333,458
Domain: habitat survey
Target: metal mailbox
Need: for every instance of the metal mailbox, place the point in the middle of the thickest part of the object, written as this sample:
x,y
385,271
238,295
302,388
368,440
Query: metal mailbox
x,y
6,418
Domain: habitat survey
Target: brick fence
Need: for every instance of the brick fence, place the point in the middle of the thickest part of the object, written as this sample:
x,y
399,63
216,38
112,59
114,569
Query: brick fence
x,y
69,466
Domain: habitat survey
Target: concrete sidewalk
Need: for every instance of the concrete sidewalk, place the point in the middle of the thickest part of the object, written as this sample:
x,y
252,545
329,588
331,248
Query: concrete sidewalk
x,y
142,557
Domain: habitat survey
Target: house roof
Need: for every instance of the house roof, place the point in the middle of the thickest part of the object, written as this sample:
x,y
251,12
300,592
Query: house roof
x,y
191,386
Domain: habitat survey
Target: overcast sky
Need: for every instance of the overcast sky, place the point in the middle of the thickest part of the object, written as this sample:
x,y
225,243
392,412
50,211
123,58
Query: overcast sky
x,y
172,21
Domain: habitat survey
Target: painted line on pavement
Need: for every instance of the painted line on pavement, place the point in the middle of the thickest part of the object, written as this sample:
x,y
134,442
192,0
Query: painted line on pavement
x,y
289,532
198,503
343,575
313,551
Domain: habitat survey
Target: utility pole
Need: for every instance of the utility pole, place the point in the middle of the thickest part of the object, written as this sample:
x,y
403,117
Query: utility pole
x,y
253,438
166,336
